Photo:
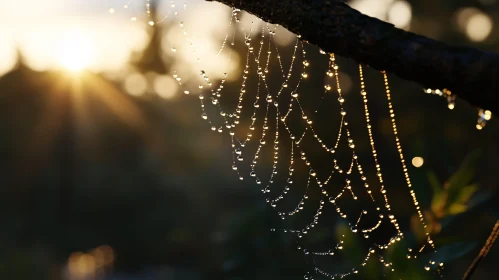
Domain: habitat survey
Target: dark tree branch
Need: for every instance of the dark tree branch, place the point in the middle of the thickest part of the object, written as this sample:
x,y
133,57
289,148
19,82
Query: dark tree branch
x,y
332,25
485,250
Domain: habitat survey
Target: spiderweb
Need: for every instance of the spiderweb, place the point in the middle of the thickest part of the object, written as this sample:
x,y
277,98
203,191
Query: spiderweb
x,y
281,137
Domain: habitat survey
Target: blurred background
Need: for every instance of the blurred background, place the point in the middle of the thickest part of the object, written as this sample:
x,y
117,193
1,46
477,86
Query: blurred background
x,y
109,172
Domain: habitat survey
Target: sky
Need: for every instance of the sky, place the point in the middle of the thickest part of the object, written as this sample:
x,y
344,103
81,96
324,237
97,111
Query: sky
x,y
100,35
51,31
96,35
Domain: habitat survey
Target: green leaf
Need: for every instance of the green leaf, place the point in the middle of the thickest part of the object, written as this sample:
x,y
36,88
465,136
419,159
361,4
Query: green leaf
x,y
462,177
466,193
438,201
457,208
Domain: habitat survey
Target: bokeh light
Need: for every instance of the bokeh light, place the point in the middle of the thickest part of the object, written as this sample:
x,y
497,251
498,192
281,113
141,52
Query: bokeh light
x,y
479,27
165,86
135,84
417,162
400,14
474,23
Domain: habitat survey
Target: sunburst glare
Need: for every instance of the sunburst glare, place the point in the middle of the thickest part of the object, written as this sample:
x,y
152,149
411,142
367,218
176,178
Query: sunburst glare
x,y
76,51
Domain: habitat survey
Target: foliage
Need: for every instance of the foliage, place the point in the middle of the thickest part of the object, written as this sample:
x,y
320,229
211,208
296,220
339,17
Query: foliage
x,y
449,200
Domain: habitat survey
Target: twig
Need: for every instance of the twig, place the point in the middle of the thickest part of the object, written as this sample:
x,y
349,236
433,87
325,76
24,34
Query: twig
x,y
485,250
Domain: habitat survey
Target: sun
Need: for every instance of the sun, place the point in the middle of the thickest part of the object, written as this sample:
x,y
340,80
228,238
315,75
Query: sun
x,y
76,51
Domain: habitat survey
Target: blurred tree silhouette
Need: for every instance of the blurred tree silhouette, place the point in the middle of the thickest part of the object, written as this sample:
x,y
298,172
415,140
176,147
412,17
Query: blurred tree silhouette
x,y
151,181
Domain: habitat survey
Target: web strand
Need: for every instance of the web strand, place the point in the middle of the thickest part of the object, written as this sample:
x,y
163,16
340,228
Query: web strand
x,y
278,122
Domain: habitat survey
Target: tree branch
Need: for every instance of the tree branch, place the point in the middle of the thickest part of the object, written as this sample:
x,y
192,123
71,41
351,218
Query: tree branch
x,y
485,250
332,25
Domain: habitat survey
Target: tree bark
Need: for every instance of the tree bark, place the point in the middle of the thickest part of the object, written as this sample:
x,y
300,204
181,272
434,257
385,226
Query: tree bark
x,y
335,27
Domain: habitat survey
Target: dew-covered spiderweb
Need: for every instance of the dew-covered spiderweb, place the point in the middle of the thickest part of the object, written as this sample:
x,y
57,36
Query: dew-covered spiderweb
x,y
296,141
